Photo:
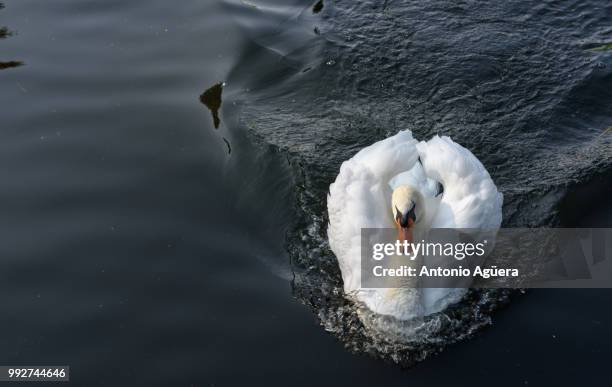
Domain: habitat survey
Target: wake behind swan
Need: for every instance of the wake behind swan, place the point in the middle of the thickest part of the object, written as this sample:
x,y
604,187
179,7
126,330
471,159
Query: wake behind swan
x,y
411,186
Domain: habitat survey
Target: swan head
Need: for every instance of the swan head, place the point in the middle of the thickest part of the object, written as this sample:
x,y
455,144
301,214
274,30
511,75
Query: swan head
x,y
407,209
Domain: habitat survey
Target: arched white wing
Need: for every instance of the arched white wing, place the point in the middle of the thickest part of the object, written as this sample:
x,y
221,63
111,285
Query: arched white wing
x,y
470,199
360,198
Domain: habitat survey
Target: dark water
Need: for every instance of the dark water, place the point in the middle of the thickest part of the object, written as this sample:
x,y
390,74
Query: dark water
x,y
143,246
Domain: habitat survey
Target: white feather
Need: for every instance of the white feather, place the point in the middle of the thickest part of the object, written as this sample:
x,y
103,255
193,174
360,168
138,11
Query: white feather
x,y
361,196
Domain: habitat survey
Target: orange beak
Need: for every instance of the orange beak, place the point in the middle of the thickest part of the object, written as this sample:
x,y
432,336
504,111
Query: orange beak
x,y
405,233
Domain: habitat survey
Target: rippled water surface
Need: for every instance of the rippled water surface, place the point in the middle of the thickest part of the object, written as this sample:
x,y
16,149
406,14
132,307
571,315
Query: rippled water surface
x,y
165,170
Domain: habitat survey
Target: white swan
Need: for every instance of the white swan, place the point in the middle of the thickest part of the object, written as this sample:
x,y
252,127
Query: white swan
x,y
396,183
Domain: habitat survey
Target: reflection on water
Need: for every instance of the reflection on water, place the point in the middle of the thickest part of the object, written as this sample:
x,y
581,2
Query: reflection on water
x,y
5,33
211,98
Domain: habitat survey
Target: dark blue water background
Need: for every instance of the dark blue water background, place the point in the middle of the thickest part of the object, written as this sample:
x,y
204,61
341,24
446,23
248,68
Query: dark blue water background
x,y
143,246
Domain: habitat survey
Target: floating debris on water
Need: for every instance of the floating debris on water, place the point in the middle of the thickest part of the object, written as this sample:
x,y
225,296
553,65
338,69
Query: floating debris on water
x,y
211,98
4,32
604,47
10,64
248,3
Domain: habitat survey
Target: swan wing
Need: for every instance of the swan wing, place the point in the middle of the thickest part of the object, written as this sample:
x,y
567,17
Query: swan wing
x,y
470,199
360,198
